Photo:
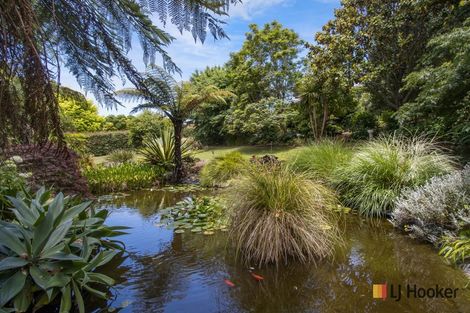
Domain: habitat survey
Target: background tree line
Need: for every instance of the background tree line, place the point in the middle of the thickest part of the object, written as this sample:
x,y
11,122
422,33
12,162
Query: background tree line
x,y
393,65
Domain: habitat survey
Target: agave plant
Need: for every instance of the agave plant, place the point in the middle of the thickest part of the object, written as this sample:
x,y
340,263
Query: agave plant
x,y
160,150
50,251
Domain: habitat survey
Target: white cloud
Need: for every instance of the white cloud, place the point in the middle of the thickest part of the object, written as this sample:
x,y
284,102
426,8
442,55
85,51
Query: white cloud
x,y
190,55
250,8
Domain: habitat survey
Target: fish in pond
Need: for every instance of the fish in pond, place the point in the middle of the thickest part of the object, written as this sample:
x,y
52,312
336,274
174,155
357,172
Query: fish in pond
x,y
229,283
257,277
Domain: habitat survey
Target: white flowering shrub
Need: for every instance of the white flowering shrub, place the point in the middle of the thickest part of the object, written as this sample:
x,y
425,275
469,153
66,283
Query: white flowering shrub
x,y
441,207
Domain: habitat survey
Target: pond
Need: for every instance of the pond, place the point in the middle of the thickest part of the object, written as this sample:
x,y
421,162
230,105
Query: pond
x,y
167,272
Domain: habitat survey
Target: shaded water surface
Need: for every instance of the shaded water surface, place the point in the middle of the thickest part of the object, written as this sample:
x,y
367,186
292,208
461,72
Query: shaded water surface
x,y
166,272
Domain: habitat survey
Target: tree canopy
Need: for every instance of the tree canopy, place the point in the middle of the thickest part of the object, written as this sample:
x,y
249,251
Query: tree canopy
x,y
91,39
268,64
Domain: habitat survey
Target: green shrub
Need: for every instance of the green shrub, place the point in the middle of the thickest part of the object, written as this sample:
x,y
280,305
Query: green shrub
x,y
379,170
144,124
361,122
202,215
221,169
103,143
51,250
11,181
159,149
279,214
78,143
128,176
121,156
440,208
456,249
320,160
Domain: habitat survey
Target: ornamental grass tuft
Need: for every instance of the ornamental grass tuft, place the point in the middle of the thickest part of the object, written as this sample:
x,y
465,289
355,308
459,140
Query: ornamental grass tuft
x,y
320,160
379,170
277,215
221,169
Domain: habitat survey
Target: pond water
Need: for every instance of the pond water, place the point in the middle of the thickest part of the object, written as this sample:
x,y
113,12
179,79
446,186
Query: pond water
x,y
167,272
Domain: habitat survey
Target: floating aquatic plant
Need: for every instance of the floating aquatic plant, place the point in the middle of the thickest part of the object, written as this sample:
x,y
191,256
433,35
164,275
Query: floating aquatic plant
x,y
201,215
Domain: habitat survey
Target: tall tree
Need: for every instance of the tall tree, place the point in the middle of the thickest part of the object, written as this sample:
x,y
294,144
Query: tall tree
x,y
79,114
384,39
442,105
175,100
209,119
91,39
268,63
325,88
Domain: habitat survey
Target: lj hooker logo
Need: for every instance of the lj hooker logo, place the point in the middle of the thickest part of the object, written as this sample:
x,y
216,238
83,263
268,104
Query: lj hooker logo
x,y
384,291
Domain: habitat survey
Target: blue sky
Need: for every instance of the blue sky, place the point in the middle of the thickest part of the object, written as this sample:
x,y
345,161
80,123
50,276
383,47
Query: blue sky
x,y
306,17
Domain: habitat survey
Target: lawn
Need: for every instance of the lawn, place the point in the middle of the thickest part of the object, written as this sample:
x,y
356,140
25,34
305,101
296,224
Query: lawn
x,y
282,152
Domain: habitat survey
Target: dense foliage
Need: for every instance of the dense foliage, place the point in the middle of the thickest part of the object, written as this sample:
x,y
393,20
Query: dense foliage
x,y
123,177
442,106
377,66
268,63
265,122
263,74
102,143
50,252
77,113
145,124
11,181
118,122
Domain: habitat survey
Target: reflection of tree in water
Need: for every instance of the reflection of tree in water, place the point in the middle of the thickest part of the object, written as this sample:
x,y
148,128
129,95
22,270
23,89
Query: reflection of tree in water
x,y
175,272
372,253
380,254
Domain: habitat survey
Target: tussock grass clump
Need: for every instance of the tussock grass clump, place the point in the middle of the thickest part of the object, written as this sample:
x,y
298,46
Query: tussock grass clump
x,y
278,214
121,156
379,170
320,160
221,169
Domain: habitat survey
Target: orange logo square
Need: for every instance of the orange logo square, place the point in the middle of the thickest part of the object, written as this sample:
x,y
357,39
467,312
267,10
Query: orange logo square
x,y
379,291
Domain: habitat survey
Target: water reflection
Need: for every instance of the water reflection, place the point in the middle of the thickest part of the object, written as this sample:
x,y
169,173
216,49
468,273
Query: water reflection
x,y
166,272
